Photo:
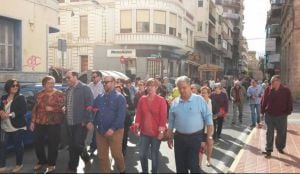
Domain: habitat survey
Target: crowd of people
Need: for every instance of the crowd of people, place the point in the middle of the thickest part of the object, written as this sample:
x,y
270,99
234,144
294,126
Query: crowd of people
x,y
100,115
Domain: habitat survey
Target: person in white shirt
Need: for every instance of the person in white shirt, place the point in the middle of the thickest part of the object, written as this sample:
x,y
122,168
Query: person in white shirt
x,y
97,88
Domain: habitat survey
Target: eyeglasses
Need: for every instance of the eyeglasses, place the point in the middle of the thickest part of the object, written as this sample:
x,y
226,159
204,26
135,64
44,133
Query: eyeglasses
x,y
105,82
93,77
15,86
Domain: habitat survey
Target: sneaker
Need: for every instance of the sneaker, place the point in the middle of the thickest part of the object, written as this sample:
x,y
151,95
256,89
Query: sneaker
x,y
50,169
38,166
233,123
17,168
3,169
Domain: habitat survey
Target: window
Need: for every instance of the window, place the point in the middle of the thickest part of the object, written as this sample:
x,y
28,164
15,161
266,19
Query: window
x,y
200,3
61,1
179,26
173,24
83,26
160,22
154,67
10,43
126,21
199,26
142,21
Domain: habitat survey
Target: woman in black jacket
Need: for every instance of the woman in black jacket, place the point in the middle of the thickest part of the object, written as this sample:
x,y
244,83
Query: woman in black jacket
x,y
13,123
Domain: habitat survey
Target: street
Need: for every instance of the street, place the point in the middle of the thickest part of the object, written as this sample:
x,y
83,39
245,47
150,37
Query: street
x,y
231,142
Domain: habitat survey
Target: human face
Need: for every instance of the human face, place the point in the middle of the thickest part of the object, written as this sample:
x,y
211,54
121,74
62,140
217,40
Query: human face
x,y
71,80
14,88
253,83
141,86
108,84
95,78
194,89
275,83
184,90
49,86
218,90
151,88
204,93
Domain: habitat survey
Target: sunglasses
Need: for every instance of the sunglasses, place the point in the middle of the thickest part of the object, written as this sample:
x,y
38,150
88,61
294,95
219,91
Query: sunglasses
x,y
105,82
15,86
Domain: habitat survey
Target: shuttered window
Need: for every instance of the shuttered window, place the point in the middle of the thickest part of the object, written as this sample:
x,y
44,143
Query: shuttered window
x,y
160,22
142,21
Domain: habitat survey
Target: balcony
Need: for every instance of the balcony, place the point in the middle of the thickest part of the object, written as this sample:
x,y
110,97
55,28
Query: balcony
x,y
211,40
231,3
212,18
149,39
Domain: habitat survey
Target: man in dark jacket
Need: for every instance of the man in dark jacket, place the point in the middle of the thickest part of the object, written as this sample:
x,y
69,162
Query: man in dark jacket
x,y
78,98
276,104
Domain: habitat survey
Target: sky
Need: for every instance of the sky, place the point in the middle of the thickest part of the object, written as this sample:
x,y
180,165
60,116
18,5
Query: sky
x,y
255,21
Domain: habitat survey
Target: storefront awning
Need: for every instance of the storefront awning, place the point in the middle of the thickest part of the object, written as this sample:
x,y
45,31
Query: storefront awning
x,y
209,67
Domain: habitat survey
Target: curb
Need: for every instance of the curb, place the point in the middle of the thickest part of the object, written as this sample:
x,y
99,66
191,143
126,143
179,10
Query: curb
x,y
239,155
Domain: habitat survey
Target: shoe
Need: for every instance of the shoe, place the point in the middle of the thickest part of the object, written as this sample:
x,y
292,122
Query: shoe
x,y
50,169
208,164
87,165
38,166
232,123
3,169
281,151
241,121
267,154
17,168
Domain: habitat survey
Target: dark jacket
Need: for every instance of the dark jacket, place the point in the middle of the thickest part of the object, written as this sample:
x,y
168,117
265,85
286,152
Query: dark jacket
x,y
18,107
218,101
82,98
277,103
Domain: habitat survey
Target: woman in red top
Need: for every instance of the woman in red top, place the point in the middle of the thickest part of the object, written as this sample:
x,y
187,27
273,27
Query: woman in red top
x,y
151,116
47,116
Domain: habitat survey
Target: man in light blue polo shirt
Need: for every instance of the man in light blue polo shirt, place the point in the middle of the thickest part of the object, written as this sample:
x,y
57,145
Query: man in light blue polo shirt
x,y
188,115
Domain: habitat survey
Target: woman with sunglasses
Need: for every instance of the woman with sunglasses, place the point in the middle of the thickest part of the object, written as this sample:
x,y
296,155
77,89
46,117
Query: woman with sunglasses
x,y
47,117
13,124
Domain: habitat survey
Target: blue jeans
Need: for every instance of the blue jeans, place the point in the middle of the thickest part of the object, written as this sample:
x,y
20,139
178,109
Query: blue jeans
x,y
145,142
187,149
17,141
255,113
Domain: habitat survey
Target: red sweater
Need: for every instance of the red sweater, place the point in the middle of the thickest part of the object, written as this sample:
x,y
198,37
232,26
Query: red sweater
x,y
151,117
277,103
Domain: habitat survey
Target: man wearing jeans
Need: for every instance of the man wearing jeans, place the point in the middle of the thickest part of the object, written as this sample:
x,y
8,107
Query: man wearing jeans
x,y
255,93
276,104
188,115
109,122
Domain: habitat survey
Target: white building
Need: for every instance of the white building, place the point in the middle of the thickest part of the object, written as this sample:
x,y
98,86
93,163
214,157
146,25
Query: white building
x,y
139,37
24,29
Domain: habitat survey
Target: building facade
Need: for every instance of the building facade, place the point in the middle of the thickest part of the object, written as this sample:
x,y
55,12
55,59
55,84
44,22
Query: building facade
x,y
290,47
24,38
140,38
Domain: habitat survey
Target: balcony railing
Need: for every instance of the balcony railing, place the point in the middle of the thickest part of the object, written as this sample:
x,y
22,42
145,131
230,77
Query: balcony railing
x,y
212,18
275,30
211,40
232,3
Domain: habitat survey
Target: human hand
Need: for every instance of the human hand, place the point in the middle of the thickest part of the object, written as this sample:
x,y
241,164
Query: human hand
x,y
160,135
109,132
89,126
170,143
32,126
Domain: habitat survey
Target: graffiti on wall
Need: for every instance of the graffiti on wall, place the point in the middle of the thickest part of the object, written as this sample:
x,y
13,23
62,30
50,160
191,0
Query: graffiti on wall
x,y
33,61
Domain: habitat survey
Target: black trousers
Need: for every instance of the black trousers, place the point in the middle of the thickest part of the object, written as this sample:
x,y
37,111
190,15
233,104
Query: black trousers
x,y
46,134
218,125
77,135
280,124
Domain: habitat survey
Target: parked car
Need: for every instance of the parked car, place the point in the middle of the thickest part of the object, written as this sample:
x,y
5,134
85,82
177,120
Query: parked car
x,y
29,91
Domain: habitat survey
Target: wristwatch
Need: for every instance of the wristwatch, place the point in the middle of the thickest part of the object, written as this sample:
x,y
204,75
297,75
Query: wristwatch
x,y
210,137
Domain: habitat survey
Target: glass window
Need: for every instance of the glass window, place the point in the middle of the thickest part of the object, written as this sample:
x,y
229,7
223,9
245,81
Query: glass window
x,y
173,24
199,26
9,43
126,21
200,3
84,26
179,26
160,22
142,21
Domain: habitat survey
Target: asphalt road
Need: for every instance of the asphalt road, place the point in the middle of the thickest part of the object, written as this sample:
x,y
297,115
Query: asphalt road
x,y
232,140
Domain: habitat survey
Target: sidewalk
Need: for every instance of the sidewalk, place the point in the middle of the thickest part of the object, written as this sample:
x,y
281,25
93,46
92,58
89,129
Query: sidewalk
x,y
251,160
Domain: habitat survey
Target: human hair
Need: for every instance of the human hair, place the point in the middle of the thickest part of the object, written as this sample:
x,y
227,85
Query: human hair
x,y
183,79
46,79
276,77
112,78
151,81
205,88
97,72
74,74
9,83
218,85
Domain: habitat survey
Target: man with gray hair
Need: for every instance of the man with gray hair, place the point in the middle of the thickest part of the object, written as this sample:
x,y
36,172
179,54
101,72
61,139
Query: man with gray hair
x,y
189,114
237,96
